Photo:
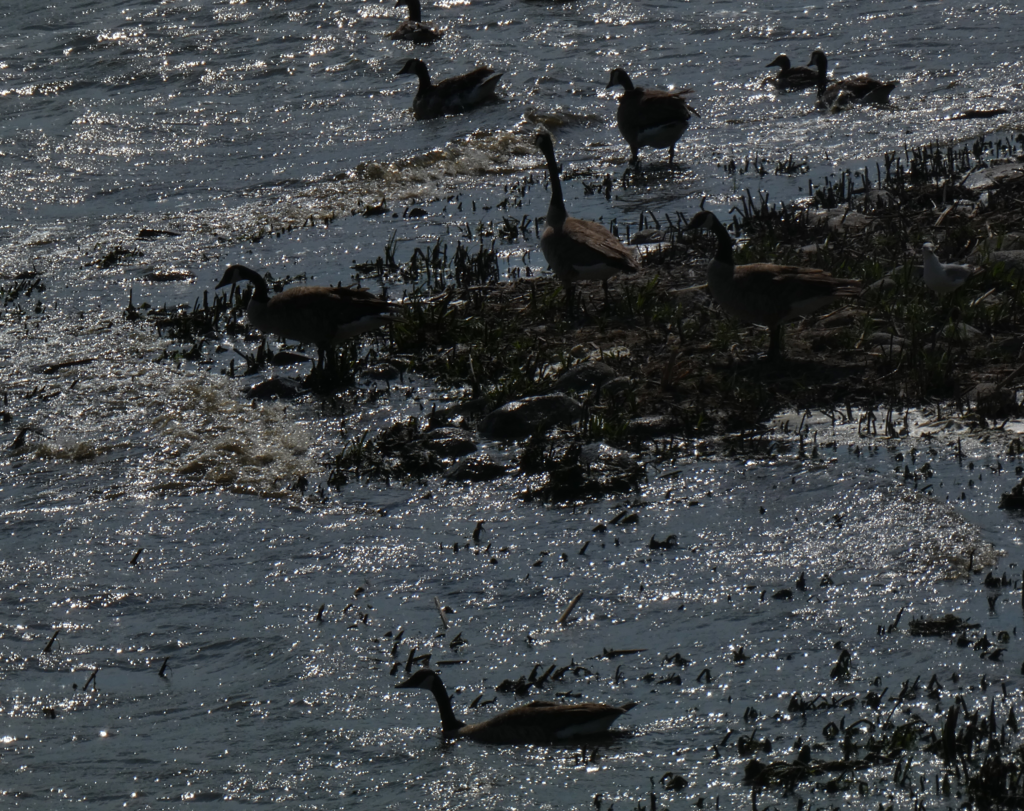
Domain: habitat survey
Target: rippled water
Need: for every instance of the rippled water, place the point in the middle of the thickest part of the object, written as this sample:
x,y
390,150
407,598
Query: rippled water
x,y
221,122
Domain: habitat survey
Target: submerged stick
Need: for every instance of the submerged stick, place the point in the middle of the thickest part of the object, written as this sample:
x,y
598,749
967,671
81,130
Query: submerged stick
x,y
440,612
91,680
565,614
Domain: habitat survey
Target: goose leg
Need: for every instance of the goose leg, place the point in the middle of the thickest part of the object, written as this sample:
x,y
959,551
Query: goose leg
x,y
570,295
671,154
775,342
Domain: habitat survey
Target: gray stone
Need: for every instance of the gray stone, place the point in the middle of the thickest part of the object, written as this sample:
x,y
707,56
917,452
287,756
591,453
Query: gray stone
x,y
652,426
584,376
477,468
449,441
521,418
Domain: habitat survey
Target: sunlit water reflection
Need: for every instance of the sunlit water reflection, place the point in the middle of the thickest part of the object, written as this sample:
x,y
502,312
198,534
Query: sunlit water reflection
x,y
225,122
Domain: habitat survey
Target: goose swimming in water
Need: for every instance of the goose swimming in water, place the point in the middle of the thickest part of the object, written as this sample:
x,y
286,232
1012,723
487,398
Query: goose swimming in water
x,y
656,118
859,89
414,29
536,722
324,316
453,95
790,78
577,250
943,278
767,294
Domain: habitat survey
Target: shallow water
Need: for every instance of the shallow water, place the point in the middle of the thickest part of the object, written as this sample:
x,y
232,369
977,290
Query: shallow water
x,y
222,122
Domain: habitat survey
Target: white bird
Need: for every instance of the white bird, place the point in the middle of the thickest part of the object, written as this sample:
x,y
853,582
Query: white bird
x,y
944,278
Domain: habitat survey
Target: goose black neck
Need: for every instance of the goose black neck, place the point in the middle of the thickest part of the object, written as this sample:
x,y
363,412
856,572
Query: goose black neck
x,y
622,78
414,10
822,64
421,72
556,209
261,291
723,253
449,723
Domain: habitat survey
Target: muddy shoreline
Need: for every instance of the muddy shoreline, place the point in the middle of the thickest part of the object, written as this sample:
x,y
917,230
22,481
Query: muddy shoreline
x,y
658,359
657,366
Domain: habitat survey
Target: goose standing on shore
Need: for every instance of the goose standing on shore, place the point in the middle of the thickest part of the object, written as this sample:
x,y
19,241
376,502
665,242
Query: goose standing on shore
x,y
453,95
577,250
656,118
767,294
324,316
859,89
790,78
536,722
943,278
414,29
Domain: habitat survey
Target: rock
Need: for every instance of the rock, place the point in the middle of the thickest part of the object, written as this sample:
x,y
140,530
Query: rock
x,y
965,332
1010,260
647,237
843,318
274,387
584,376
1014,500
616,388
879,198
602,459
477,468
383,371
520,418
591,471
1013,241
994,402
169,275
883,339
287,358
841,219
449,442
990,177
650,427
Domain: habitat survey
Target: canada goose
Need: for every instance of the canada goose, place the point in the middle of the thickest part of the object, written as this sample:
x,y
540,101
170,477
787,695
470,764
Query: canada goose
x,y
860,89
324,316
453,95
767,294
790,78
414,29
943,278
536,722
577,249
655,118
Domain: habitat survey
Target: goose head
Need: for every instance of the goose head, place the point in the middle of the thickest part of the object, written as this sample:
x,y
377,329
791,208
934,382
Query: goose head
x,y
425,679
415,67
542,140
414,9
236,274
781,61
702,219
620,77
819,60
